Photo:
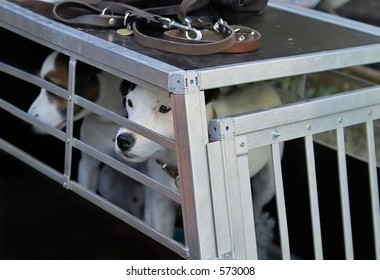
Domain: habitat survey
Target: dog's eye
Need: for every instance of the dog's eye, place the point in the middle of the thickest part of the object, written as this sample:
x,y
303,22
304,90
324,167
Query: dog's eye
x,y
164,109
130,103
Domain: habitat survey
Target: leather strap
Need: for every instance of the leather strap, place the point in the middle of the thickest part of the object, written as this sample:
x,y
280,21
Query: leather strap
x,y
107,14
245,39
171,170
174,41
81,14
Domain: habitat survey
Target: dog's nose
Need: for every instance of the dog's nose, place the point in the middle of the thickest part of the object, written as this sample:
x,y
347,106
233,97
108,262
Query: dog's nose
x,y
125,141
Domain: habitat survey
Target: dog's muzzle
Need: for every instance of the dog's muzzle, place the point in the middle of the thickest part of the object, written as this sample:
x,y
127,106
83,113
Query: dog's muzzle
x,y
125,141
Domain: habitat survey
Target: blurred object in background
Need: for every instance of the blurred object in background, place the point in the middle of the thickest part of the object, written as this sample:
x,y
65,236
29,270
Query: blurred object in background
x,y
331,5
303,3
367,11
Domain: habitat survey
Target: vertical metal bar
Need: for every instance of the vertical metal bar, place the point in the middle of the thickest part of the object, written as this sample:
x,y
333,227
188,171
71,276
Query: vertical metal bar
x,y
219,198
280,199
313,196
244,202
345,200
69,122
191,135
374,186
232,199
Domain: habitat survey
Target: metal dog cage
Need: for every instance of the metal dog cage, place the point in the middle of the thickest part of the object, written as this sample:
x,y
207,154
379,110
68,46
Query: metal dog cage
x,y
215,195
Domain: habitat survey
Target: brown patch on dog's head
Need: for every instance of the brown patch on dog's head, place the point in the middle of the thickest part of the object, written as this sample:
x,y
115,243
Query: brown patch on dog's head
x,y
58,75
59,102
91,90
86,82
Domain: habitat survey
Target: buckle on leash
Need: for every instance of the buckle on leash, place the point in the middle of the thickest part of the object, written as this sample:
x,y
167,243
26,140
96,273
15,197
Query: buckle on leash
x,y
191,32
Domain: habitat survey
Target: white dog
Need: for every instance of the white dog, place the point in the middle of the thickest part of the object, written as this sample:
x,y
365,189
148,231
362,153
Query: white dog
x,y
104,89
153,111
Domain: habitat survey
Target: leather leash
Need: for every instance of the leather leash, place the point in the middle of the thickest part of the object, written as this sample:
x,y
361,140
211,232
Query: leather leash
x,y
178,38
245,40
106,14
171,170
174,41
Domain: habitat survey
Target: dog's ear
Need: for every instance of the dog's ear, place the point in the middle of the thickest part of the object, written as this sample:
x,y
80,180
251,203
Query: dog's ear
x,y
126,86
86,78
211,94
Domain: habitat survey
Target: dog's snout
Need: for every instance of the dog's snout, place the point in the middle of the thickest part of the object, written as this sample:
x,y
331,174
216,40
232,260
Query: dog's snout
x,y
125,141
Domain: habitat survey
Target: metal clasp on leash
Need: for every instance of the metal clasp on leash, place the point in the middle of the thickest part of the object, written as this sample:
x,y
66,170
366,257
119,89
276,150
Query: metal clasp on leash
x,y
191,32
126,23
221,27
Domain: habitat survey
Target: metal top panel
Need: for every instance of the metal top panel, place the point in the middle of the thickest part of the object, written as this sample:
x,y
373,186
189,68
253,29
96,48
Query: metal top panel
x,y
294,41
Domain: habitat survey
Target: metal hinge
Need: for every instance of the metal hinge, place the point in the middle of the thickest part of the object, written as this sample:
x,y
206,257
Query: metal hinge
x,y
221,129
184,82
